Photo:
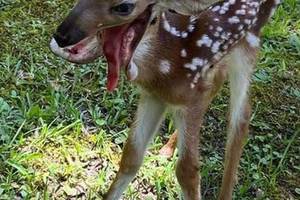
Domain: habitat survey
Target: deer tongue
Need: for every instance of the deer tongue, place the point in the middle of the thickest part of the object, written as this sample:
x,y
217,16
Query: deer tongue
x,y
119,43
112,44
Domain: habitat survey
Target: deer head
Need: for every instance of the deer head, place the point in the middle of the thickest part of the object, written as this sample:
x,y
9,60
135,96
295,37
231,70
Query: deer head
x,y
117,25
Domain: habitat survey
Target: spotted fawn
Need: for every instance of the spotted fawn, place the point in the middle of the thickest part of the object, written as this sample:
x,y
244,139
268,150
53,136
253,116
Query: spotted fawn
x,y
180,62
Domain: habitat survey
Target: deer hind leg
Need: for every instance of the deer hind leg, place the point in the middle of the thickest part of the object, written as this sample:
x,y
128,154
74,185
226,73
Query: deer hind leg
x,y
187,170
241,64
148,119
168,149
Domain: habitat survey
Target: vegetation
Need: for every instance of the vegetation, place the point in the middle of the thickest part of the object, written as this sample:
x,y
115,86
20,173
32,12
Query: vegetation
x,y
61,134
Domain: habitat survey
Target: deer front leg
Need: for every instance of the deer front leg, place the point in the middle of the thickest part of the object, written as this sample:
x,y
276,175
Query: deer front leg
x,y
188,123
240,69
148,118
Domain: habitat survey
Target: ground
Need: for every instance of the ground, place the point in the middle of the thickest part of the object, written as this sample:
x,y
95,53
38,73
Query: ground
x,y
61,134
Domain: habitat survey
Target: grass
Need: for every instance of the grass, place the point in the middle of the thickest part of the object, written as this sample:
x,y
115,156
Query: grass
x,y
61,134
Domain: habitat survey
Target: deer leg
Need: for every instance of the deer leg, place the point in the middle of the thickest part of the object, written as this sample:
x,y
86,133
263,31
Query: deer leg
x,y
168,149
148,119
188,122
241,65
187,171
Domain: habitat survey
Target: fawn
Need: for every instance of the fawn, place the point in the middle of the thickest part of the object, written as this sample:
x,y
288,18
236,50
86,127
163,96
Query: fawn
x,y
180,62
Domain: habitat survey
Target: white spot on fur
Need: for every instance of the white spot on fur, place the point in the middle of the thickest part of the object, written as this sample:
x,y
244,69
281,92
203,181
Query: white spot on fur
x,y
205,40
183,53
196,78
225,36
218,56
242,33
241,27
222,12
252,12
165,66
219,29
216,47
216,34
236,36
234,20
253,4
216,8
252,39
272,12
232,2
191,28
190,66
175,32
240,12
184,34
247,21
198,62
255,20
167,26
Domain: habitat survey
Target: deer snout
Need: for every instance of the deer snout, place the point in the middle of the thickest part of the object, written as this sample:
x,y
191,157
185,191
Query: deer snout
x,y
68,35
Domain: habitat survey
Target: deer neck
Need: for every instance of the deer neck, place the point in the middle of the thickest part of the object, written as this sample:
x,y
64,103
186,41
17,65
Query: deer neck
x,y
154,49
158,59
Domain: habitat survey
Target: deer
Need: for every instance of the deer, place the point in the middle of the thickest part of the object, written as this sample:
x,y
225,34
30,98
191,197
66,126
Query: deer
x,y
180,59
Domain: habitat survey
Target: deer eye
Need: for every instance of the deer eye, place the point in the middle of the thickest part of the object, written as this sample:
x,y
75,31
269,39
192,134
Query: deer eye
x,y
123,9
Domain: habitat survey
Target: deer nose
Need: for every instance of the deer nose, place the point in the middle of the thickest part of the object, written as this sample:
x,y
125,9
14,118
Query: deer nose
x,y
70,37
62,40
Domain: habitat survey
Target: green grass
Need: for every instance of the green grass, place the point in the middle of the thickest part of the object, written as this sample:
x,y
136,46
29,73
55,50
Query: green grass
x,y
61,134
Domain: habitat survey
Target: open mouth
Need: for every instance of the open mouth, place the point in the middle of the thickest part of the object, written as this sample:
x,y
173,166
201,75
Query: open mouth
x,y
83,52
117,43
